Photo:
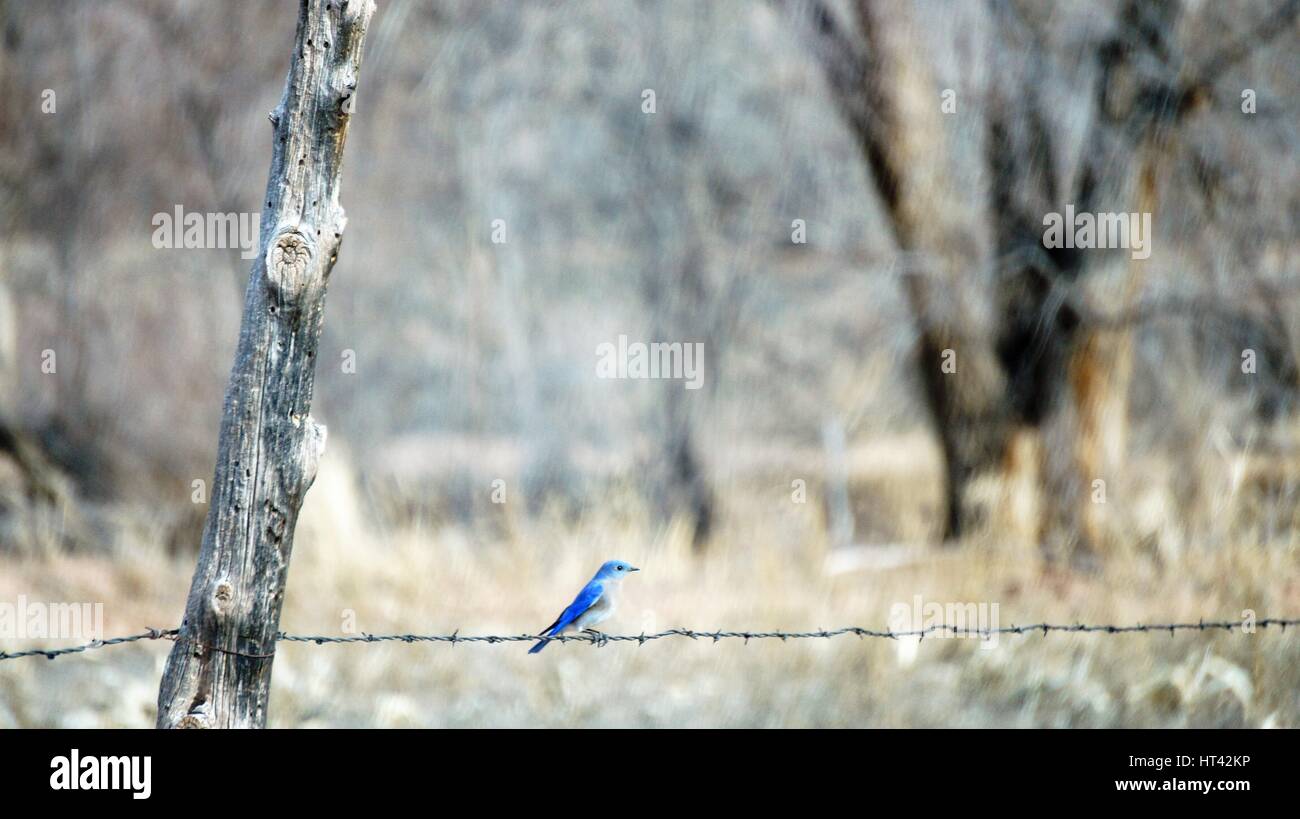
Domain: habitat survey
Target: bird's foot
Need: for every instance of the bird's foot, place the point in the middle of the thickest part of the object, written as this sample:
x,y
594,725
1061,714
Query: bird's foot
x,y
597,638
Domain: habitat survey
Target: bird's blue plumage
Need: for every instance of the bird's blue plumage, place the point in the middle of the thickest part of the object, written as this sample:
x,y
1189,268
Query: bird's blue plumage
x,y
586,599
612,573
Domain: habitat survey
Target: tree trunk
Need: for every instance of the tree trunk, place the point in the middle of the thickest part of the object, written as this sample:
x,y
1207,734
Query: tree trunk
x,y
219,672
687,485
900,131
838,508
1100,371
1028,359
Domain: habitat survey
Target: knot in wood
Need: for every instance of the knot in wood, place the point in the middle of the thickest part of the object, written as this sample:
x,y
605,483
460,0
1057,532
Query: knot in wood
x,y
195,721
198,717
288,266
276,522
221,598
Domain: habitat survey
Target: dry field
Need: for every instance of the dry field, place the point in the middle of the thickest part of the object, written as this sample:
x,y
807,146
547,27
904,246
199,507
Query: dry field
x,y
772,572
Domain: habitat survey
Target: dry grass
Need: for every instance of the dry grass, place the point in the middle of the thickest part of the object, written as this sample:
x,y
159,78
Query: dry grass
x,y
771,572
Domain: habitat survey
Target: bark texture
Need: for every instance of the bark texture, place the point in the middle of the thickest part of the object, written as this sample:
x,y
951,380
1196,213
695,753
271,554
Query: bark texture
x,y
219,672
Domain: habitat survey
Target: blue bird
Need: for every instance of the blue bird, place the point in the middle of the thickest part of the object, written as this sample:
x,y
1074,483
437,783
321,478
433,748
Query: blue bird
x,y
593,604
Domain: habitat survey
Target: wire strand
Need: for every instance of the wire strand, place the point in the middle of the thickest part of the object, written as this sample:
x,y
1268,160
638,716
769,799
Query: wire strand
x,y
600,639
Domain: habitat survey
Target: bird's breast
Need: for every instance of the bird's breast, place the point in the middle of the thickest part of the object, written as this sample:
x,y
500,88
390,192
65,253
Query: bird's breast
x,y
601,609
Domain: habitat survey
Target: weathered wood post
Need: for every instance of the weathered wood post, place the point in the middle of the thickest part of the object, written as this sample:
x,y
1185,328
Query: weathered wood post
x,y
219,672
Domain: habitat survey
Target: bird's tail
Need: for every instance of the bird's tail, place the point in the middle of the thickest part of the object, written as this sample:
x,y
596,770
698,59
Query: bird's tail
x,y
541,644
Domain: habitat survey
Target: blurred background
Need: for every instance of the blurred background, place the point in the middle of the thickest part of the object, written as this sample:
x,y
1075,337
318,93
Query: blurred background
x,y
904,392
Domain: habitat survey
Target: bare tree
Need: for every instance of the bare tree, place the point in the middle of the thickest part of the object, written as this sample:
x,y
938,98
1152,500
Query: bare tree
x,y
219,672
1042,370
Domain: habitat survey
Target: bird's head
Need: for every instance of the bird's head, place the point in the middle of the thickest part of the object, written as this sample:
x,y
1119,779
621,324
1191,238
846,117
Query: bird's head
x,y
615,570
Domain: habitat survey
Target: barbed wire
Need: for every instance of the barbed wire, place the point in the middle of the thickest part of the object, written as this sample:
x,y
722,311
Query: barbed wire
x,y
51,653
601,639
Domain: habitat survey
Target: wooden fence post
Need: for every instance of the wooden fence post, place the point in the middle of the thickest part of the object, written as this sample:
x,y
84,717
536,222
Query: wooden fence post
x,y
219,672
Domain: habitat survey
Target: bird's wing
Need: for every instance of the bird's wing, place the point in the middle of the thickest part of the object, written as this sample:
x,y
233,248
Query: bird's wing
x,y
586,599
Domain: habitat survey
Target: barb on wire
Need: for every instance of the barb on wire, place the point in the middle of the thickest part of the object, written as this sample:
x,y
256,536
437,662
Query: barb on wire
x,y
600,639
51,653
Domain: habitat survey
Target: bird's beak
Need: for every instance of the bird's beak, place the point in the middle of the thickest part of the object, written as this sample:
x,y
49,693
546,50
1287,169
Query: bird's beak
x,y
633,569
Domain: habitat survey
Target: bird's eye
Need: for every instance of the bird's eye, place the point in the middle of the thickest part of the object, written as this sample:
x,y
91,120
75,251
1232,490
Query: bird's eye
x,y
620,568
